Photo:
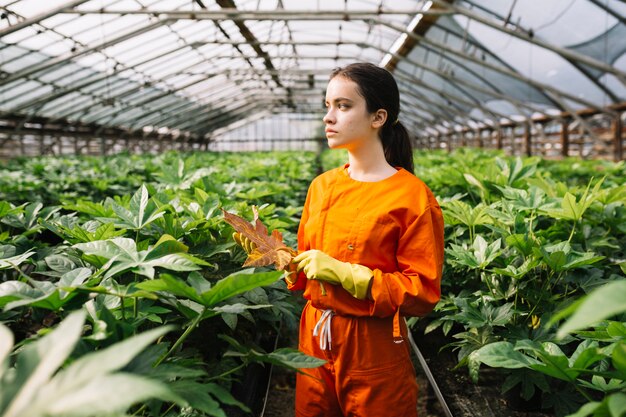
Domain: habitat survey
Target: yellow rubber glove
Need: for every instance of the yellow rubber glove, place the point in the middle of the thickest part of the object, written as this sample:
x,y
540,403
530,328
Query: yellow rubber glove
x,y
320,266
247,245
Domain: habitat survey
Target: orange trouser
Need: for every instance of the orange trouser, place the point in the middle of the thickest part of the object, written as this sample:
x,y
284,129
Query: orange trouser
x,y
367,374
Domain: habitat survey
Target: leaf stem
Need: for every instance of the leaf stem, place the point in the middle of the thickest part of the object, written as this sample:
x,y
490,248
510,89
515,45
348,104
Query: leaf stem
x,y
222,375
182,337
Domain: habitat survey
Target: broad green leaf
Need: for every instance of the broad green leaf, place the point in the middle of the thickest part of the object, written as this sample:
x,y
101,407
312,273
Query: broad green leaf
x,y
40,360
176,262
617,404
502,355
74,278
619,358
602,303
59,263
293,358
586,354
166,245
459,212
224,396
138,204
14,261
104,394
171,284
571,209
236,284
6,345
99,363
196,394
16,290
587,409
239,308
104,248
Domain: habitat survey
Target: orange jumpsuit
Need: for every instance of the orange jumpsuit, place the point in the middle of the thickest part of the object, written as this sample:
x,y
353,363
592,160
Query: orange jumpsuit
x,y
394,227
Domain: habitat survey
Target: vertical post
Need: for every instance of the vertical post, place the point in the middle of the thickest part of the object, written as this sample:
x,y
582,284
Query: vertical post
x,y
565,138
617,138
499,138
479,137
528,139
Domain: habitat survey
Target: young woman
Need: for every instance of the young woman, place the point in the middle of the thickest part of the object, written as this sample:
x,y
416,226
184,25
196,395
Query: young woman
x,y
370,246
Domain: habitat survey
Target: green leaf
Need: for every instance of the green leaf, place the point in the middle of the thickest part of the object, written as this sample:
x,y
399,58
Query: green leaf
x,y
602,303
587,409
236,284
6,345
294,359
196,394
104,394
619,358
617,404
13,261
171,284
502,355
40,360
239,308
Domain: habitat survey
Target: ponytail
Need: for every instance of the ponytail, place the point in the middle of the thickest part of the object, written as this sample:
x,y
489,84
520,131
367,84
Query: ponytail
x,y
397,146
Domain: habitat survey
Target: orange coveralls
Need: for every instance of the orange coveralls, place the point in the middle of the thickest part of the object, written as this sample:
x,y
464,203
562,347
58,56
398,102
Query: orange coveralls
x,y
394,227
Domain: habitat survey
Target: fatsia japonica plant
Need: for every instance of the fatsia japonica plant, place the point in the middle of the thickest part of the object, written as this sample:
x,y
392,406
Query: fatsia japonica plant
x,y
521,244
136,251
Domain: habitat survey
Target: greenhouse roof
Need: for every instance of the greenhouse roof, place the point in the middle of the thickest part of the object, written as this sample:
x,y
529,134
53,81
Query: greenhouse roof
x,y
202,67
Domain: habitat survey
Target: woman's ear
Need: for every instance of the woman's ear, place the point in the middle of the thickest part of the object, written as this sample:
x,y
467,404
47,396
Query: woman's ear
x,y
379,118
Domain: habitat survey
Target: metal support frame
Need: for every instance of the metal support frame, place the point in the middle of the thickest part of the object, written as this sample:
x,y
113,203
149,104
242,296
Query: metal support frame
x,y
42,16
564,138
564,52
618,151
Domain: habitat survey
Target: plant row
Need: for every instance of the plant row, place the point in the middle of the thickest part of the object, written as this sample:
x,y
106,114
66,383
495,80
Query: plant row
x,y
121,290
528,243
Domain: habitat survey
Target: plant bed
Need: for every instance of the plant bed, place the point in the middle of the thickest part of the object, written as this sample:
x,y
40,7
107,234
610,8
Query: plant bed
x,y
464,397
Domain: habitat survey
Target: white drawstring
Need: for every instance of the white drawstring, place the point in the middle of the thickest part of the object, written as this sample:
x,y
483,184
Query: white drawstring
x,y
323,324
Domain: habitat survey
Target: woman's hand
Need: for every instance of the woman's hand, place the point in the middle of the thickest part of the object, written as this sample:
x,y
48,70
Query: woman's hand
x,y
319,266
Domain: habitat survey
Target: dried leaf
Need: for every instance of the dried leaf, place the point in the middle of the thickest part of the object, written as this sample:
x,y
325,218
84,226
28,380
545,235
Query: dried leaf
x,y
270,249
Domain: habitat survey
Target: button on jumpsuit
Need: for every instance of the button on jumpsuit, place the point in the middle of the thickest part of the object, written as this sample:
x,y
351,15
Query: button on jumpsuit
x,y
395,228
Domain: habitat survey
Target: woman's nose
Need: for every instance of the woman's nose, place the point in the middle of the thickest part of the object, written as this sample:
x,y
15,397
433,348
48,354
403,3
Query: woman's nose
x,y
328,118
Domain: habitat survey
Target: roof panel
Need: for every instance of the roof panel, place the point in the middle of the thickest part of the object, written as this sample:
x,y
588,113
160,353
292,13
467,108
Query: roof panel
x,y
141,57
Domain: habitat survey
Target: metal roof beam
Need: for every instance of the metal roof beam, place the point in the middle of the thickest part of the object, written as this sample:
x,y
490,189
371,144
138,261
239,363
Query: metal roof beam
x,y
234,14
506,71
564,52
42,16
61,59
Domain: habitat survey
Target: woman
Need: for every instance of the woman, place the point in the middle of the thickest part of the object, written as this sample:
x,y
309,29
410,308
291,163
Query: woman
x,y
370,247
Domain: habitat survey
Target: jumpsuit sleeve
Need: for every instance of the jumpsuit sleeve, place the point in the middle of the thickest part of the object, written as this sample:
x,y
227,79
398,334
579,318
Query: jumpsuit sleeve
x,y
300,282
415,288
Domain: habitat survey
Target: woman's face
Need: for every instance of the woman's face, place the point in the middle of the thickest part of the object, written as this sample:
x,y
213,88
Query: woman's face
x,y
348,124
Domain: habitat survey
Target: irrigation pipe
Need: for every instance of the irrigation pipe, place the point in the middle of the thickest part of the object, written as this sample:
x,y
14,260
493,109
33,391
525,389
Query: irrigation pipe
x,y
269,378
429,375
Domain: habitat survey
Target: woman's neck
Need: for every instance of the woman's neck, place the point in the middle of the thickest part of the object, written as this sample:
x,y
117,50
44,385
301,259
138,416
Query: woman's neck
x,y
369,164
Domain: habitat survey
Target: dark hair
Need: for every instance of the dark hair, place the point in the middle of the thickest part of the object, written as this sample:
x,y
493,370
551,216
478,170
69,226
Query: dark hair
x,y
380,91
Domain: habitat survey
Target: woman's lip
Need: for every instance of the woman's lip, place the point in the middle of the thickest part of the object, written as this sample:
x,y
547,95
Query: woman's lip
x,y
330,131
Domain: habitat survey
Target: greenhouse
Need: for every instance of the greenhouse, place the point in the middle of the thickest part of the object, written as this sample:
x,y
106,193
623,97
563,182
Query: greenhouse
x,y
209,208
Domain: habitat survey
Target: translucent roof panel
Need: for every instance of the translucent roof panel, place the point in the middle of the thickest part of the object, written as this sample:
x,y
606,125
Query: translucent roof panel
x,y
207,67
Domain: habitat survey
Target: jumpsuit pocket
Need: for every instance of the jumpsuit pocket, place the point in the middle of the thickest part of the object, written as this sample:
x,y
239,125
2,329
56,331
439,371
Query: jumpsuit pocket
x,y
389,391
